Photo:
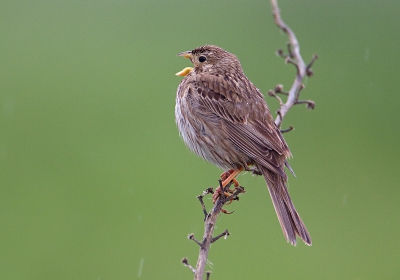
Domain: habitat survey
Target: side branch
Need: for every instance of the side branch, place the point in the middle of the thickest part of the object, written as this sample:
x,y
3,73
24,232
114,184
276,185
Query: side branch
x,y
293,57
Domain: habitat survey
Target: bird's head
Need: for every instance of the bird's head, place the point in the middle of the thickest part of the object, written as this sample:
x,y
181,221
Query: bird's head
x,y
210,59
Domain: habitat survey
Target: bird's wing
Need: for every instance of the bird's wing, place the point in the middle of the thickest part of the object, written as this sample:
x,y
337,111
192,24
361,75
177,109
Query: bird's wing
x,y
246,119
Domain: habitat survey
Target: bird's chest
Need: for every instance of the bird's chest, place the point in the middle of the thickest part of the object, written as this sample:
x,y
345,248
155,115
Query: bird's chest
x,y
191,127
197,130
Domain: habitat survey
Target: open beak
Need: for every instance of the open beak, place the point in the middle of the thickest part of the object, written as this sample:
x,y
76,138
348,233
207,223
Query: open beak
x,y
187,54
187,70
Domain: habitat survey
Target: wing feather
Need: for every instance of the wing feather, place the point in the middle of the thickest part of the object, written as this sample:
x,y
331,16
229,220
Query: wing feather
x,y
259,138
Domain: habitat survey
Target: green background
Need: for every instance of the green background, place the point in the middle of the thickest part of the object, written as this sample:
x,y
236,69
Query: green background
x,y
95,182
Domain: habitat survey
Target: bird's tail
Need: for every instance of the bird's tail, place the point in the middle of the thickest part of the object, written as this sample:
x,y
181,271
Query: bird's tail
x,y
289,219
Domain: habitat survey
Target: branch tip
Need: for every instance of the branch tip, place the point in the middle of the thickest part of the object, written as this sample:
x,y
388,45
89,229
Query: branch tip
x,y
272,94
279,89
288,59
191,237
203,207
280,53
185,262
309,103
309,71
225,235
287,130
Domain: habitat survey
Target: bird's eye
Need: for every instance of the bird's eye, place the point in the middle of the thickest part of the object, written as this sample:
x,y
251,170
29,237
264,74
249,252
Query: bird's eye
x,y
202,58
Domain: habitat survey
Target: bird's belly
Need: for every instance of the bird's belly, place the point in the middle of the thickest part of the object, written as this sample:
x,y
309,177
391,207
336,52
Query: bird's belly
x,y
206,140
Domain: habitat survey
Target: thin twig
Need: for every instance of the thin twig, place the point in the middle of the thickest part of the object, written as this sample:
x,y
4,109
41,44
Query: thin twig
x,y
200,198
294,57
185,261
191,237
224,234
290,128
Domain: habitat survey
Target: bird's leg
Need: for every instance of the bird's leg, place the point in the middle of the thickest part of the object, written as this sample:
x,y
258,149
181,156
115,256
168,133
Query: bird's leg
x,y
221,188
231,192
226,174
226,178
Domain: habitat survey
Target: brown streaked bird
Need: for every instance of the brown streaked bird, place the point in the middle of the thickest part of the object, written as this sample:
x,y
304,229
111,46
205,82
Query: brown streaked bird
x,y
223,118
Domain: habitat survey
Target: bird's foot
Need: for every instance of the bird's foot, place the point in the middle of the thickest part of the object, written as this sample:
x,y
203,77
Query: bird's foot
x,y
227,178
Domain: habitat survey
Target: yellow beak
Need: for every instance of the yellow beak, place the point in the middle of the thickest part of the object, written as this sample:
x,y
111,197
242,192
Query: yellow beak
x,y
187,70
187,54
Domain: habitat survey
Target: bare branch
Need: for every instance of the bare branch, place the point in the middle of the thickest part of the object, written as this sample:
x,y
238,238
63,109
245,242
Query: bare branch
x,y
279,89
310,104
293,57
191,237
272,94
225,234
185,262
287,129
200,198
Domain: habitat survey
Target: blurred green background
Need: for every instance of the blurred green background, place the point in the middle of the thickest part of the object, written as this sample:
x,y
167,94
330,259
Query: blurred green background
x,y
95,182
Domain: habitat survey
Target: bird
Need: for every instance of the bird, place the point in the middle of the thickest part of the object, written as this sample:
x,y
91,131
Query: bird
x,y
223,118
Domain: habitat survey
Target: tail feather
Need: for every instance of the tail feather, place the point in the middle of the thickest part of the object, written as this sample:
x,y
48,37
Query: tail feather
x,y
288,217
